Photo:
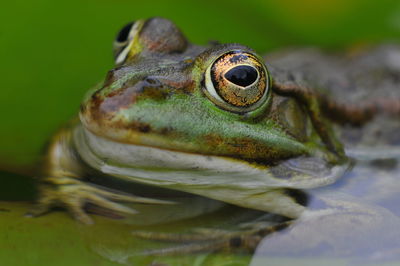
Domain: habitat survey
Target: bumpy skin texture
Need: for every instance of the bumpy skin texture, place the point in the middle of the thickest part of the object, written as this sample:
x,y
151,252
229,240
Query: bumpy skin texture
x,y
167,76
365,80
359,82
156,97
128,107
362,214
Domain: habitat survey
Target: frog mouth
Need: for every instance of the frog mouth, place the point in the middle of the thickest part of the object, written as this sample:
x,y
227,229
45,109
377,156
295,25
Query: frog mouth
x,y
220,178
156,165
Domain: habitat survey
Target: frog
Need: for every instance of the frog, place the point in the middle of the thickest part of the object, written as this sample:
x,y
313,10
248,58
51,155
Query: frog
x,y
206,120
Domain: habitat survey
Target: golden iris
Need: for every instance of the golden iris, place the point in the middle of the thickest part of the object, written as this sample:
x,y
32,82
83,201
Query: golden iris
x,y
239,78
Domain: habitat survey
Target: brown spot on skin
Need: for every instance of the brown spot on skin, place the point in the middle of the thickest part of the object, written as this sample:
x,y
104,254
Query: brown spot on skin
x,y
95,102
152,89
128,95
110,78
185,86
144,128
106,102
118,99
96,99
82,108
134,126
138,126
243,148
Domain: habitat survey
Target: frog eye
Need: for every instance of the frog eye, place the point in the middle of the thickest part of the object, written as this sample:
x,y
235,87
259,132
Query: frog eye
x,y
237,81
123,41
123,34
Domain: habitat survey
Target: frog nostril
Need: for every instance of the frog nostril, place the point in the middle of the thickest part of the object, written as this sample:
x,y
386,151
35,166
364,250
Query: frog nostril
x,y
242,75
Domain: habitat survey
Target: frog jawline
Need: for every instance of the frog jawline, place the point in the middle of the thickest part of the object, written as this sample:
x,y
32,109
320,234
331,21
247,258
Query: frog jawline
x,y
218,178
165,167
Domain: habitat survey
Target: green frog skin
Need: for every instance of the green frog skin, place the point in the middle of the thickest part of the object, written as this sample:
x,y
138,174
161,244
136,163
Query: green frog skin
x,y
207,120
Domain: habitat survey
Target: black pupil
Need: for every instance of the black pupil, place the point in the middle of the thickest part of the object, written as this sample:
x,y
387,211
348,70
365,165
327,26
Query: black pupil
x,y
242,75
124,32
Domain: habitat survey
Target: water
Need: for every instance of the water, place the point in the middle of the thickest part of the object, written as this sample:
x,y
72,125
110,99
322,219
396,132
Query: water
x,y
354,221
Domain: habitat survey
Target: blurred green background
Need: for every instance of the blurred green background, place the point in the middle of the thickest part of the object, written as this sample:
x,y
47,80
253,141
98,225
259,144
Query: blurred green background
x,y
53,51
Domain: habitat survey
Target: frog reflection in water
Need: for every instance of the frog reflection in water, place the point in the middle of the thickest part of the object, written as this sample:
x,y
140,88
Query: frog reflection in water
x,y
210,121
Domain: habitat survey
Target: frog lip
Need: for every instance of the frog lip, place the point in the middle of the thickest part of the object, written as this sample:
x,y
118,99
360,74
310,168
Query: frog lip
x,y
157,166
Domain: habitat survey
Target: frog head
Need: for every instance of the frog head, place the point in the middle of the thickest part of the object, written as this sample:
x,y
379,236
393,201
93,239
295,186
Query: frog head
x,y
214,102
167,93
